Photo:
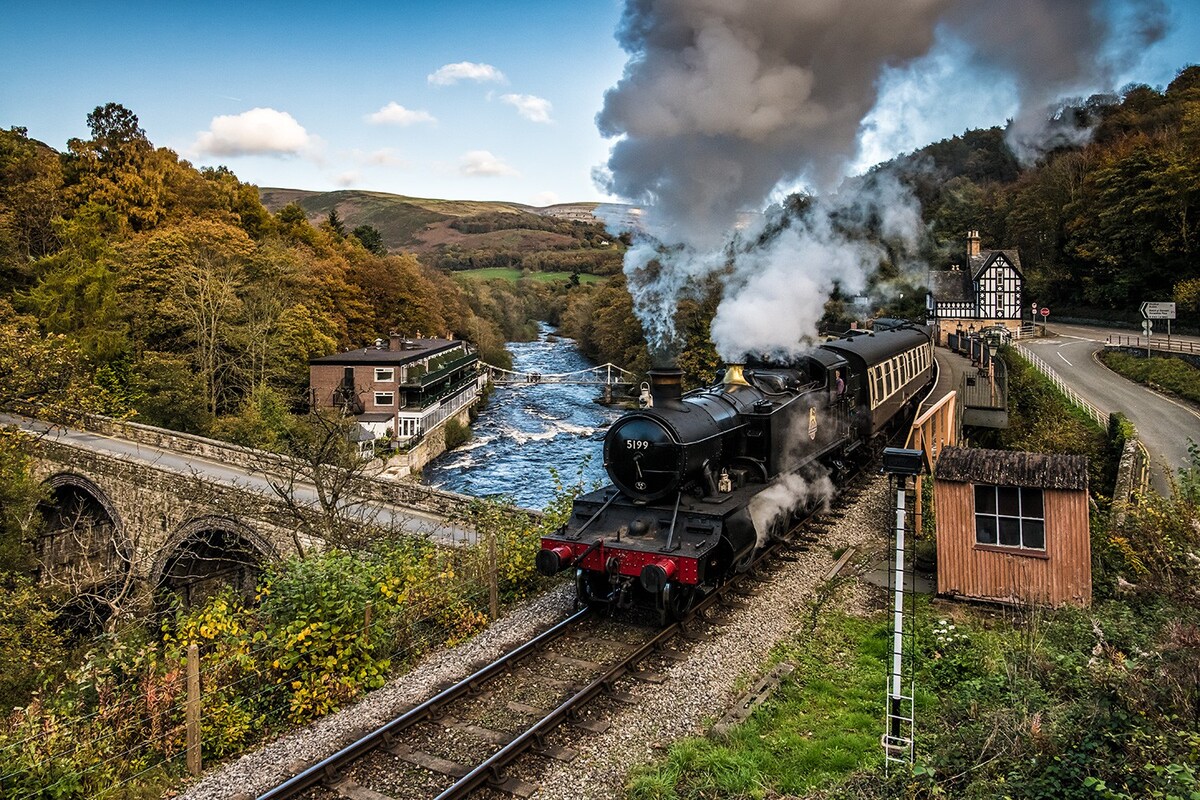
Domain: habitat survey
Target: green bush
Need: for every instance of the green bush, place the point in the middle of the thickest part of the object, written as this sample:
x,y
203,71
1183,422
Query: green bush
x,y
1172,374
456,433
325,629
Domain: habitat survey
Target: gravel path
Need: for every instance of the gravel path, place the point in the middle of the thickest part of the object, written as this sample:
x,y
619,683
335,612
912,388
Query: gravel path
x,y
700,690
697,691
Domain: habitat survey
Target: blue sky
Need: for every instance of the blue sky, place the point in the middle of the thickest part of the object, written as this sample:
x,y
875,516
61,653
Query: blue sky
x,y
472,100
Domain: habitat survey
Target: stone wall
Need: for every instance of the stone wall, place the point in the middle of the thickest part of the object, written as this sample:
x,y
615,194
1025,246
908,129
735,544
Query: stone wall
x,y
403,493
153,509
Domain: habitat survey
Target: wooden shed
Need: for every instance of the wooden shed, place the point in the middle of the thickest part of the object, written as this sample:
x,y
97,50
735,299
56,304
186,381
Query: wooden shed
x,y
1013,527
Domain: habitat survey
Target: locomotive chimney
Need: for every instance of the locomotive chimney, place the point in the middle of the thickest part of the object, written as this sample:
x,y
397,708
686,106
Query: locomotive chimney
x,y
666,385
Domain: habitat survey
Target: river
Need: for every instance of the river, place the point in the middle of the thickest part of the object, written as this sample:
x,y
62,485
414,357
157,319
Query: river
x,y
527,430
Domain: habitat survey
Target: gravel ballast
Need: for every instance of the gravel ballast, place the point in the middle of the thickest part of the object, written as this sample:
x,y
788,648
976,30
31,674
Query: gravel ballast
x,y
697,691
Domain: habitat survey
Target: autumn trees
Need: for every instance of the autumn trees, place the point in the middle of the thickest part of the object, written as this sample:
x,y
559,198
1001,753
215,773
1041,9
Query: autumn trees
x,y
181,291
1101,226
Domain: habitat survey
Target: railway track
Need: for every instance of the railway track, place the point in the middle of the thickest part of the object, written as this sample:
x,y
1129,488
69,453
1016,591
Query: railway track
x,y
461,741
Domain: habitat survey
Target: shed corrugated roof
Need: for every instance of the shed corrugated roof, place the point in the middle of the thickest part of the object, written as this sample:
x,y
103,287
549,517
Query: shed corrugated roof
x,y
1008,468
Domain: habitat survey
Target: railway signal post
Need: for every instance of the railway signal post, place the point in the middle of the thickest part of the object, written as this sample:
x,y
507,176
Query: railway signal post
x,y
897,739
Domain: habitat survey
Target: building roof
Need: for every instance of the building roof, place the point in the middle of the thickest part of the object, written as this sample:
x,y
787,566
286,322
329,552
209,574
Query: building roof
x,y
981,262
414,350
1008,468
951,286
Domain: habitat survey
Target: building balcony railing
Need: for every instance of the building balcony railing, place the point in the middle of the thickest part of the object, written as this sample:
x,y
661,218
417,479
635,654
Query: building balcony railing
x,y
420,381
414,423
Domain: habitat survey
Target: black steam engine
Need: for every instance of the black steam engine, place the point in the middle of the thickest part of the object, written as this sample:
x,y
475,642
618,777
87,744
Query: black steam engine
x,y
701,480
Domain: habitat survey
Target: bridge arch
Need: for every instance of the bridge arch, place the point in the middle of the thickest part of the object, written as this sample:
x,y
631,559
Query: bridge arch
x,y
209,553
84,549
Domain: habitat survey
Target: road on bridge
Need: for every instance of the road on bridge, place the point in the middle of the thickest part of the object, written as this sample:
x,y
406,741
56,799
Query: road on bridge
x,y
1163,423
397,517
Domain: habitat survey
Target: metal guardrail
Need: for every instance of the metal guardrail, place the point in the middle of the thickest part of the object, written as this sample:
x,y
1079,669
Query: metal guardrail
x,y
1041,366
1152,342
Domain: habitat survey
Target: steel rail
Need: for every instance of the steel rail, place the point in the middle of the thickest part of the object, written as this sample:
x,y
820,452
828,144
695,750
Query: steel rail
x,y
328,768
490,770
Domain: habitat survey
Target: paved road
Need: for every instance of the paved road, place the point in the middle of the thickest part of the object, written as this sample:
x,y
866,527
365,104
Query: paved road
x,y
1163,424
398,517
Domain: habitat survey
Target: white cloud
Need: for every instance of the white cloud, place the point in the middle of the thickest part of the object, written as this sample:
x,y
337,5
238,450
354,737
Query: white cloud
x,y
259,131
383,157
531,107
347,178
395,114
482,164
466,71
542,199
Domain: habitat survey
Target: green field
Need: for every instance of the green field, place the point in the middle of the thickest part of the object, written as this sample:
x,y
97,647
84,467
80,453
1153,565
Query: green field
x,y
513,275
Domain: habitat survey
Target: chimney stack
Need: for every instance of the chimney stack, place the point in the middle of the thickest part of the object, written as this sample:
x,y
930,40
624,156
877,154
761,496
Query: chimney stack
x,y
666,385
972,244
395,342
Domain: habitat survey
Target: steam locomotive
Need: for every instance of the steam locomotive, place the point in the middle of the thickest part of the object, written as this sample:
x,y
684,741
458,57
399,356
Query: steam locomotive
x,y
701,480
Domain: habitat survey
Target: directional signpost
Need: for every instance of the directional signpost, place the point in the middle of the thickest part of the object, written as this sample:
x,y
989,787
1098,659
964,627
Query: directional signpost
x,y
1152,311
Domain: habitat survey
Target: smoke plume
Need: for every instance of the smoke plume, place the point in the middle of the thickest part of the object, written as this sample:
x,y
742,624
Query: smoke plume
x,y
786,495
727,103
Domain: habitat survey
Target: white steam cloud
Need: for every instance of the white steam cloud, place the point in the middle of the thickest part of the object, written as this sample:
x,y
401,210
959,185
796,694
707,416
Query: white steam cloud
x,y
789,493
722,103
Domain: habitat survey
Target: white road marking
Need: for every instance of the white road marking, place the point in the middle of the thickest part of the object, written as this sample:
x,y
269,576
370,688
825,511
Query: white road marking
x,y
1064,358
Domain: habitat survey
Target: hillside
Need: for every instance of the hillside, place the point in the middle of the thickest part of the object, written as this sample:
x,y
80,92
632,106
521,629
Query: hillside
x,y
468,234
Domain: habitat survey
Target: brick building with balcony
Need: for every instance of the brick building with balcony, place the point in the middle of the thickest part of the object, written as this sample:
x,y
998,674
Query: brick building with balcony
x,y
400,390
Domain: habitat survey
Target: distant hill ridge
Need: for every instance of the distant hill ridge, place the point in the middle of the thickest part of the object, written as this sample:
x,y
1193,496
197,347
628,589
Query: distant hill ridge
x,y
414,223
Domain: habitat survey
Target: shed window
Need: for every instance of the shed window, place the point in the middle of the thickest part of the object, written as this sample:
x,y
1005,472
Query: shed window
x,y
1008,516
385,398
385,374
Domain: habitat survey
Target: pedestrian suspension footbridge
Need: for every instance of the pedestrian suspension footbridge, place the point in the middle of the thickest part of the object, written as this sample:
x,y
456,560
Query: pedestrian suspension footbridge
x,y
604,375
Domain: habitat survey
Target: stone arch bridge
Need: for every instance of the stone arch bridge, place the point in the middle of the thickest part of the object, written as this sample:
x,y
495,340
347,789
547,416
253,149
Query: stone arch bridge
x,y
132,508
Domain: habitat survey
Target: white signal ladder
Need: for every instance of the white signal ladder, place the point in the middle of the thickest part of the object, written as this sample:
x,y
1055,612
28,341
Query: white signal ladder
x,y
899,731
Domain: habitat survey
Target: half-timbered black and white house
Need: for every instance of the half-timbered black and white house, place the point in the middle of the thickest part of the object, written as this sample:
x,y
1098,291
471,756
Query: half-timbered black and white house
x,y
978,291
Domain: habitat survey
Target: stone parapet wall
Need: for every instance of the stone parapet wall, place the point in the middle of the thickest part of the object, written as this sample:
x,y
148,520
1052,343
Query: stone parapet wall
x,y
403,493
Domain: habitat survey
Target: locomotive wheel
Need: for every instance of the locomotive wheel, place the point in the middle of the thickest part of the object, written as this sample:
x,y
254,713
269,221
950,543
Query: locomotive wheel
x,y
676,602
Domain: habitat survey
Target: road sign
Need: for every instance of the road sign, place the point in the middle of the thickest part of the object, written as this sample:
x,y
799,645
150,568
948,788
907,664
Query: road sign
x,y
1045,311
1147,326
1158,310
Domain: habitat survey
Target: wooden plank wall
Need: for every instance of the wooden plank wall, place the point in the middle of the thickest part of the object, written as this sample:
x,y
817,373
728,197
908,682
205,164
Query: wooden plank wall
x,y
1064,575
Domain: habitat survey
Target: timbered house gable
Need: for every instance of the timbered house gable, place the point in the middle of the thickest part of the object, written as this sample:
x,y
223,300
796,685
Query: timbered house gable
x,y
990,289
997,283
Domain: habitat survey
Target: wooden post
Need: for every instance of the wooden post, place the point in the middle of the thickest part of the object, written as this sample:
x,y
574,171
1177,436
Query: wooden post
x,y
192,709
493,577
